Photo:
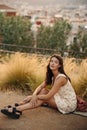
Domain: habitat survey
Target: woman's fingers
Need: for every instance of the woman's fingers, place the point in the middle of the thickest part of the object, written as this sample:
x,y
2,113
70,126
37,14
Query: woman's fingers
x,y
28,98
34,101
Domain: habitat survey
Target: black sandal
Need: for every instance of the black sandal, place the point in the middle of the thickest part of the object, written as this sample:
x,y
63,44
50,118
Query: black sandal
x,y
16,105
9,106
15,114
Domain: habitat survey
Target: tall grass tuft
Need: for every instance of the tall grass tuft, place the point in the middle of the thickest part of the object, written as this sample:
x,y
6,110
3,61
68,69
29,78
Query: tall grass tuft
x,y
78,74
83,78
26,72
20,72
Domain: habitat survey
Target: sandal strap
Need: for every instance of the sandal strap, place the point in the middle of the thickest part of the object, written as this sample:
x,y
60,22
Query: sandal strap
x,y
15,110
9,106
16,104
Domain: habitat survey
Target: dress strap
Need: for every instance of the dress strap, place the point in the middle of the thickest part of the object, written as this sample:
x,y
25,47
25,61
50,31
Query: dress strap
x,y
61,75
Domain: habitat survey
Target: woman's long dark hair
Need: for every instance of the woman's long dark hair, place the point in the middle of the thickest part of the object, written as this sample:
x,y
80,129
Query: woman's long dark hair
x,y
49,73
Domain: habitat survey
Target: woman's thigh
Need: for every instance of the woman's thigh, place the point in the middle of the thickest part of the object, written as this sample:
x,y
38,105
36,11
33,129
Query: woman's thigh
x,y
51,102
43,91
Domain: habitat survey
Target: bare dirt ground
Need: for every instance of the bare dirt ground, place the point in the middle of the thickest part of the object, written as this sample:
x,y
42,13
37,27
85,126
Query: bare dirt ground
x,y
41,118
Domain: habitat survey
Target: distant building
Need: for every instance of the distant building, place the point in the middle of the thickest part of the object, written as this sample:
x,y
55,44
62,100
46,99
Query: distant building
x,y
7,10
58,17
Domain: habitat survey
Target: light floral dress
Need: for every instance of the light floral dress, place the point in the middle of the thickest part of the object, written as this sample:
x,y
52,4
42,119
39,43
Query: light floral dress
x,y
65,98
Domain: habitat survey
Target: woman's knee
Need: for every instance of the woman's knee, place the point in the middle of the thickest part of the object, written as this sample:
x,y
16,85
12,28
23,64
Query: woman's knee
x,y
44,91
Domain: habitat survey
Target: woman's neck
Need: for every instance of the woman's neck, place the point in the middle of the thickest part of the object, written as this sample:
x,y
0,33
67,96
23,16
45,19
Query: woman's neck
x,y
55,73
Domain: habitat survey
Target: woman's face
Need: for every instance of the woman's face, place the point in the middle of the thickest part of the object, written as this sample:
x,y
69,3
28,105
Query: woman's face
x,y
54,64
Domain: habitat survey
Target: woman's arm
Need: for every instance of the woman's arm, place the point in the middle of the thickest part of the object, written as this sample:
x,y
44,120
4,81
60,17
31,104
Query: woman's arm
x,y
35,94
57,84
39,88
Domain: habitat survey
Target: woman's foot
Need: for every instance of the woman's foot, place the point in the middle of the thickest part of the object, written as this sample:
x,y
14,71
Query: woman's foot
x,y
26,100
11,112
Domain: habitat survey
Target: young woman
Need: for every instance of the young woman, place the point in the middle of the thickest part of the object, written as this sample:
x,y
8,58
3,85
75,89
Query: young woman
x,y
61,95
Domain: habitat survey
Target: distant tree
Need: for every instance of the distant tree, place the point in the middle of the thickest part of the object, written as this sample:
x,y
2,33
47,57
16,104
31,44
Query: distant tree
x,y
82,38
2,20
79,45
54,37
74,47
60,34
16,30
44,37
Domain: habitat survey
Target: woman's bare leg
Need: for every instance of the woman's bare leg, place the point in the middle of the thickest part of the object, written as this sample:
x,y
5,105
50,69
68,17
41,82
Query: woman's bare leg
x,y
28,98
50,102
29,105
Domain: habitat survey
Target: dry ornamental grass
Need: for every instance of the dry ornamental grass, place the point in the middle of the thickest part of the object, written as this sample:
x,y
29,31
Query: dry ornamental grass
x,y
26,72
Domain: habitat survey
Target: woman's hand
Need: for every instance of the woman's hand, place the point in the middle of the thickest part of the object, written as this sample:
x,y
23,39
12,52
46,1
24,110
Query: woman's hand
x,y
34,100
27,99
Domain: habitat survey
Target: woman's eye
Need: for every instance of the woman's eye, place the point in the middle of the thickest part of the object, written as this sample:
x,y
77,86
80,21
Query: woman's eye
x,y
51,61
56,62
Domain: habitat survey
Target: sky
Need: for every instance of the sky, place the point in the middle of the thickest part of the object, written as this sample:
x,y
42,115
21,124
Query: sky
x,y
48,2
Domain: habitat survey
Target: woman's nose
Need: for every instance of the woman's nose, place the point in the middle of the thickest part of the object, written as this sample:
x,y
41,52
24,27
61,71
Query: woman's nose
x,y
52,63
